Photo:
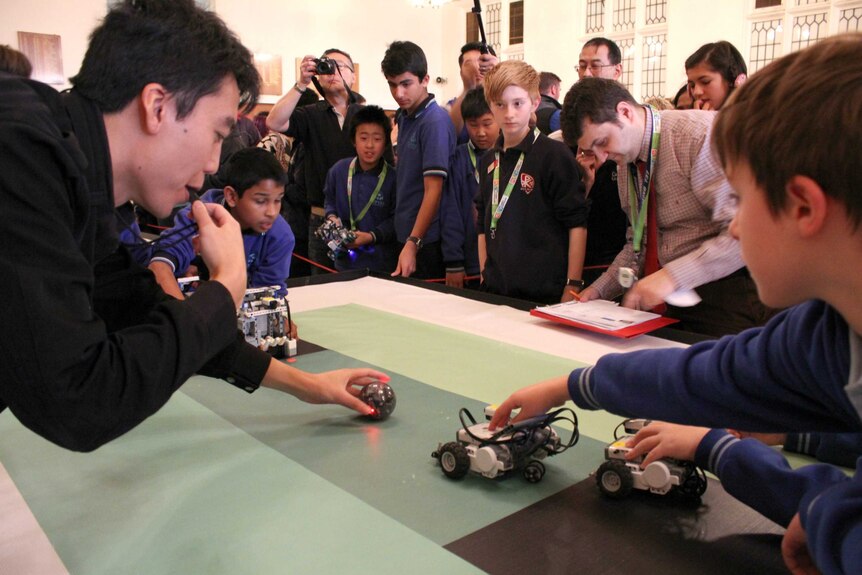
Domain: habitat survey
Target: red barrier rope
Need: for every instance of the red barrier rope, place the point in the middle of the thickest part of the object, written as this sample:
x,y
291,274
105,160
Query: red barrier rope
x,y
437,280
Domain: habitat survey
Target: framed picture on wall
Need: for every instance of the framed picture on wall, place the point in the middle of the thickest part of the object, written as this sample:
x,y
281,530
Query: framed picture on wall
x,y
269,68
205,4
45,54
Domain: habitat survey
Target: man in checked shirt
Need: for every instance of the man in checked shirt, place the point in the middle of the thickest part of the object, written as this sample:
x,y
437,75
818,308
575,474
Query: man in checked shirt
x,y
664,159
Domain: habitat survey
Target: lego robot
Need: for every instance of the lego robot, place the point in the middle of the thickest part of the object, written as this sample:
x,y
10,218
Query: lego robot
x,y
335,236
616,477
264,320
518,447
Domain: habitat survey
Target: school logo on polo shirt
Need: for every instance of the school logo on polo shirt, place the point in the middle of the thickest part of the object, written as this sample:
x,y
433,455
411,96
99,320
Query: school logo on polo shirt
x,y
527,183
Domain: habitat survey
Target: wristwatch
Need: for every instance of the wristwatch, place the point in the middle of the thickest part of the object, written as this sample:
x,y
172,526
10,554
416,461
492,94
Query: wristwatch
x,y
416,240
577,284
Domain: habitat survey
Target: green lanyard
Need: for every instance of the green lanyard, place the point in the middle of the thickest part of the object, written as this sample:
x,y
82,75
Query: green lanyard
x,y
471,149
639,198
380,178
498,205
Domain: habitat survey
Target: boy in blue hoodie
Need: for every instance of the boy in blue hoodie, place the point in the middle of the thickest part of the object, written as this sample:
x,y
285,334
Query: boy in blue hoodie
x,y
360,194
799,224
458,209
253,194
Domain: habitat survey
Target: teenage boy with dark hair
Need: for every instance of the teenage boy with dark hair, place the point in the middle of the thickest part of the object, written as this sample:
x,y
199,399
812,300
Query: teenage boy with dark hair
x,y
254,187
458,212
360,194
322,129
156,94
679,205
532,212
474,61
426,141
797,208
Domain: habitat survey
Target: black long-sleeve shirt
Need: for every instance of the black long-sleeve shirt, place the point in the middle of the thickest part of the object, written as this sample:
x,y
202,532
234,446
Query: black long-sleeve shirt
x,y
90,345
529,254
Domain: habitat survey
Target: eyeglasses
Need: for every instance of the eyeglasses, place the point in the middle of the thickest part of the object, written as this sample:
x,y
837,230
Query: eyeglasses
x,y
343,66
594,67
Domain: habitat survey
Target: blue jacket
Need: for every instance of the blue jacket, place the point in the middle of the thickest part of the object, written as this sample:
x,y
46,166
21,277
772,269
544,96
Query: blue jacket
x,y
800,372
267,255
458,213
379,219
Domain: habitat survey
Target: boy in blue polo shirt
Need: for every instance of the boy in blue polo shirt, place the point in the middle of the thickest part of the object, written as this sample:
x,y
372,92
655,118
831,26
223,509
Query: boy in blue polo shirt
x,y
255,187
360,194
426,140
799,225
458,212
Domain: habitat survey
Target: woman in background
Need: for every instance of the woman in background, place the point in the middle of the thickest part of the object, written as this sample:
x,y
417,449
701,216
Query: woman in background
x,y
714,71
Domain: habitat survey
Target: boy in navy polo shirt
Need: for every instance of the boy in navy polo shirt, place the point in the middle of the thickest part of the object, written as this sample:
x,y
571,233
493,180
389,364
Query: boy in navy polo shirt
x,y
426,140
532,211
255,187
458,212
360,194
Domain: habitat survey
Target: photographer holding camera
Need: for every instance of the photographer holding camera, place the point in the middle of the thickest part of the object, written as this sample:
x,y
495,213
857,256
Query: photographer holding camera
x,y
323,129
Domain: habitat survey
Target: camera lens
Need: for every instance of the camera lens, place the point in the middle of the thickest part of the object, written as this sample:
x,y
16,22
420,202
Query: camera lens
x,y
325,66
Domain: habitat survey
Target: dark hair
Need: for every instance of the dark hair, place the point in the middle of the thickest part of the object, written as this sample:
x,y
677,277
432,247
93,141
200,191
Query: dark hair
x,y
404,56
371,115
812,96
342,52
260,122
546,80
14,62
593,99
250,166
614,54
474,104
471,47
170,42
679,94
722,57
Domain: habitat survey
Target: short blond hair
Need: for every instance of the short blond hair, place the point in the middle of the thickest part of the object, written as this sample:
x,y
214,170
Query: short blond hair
x,y
511,73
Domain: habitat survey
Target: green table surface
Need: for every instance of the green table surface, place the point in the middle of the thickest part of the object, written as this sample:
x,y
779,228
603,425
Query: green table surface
x,y
219,481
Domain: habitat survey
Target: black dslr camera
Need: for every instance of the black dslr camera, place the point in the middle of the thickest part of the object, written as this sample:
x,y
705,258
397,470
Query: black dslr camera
x,y
325,66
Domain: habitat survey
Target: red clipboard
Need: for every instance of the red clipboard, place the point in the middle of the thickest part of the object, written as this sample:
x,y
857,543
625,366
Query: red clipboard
x,y
625,333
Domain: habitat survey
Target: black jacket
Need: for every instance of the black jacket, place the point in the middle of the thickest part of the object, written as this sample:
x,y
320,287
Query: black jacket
x,y
91,346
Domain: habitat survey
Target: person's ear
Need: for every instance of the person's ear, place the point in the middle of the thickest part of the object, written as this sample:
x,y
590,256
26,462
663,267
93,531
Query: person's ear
x,y
154,106
231,197
807,205
740,80
626,111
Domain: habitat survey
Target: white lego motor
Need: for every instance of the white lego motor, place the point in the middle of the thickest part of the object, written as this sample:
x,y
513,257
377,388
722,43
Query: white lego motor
x,y
518,446
617,476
